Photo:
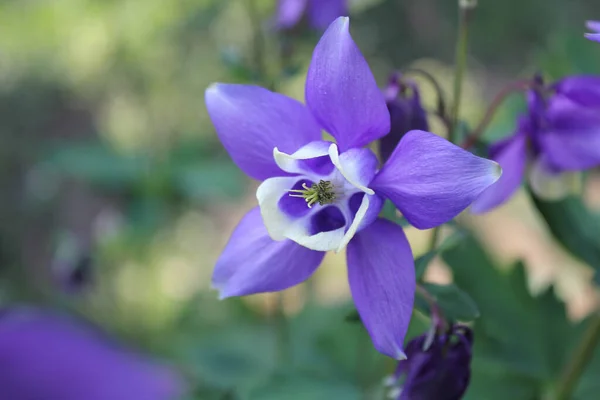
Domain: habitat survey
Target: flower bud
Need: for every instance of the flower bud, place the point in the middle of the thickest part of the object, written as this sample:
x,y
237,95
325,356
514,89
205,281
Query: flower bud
x,y
436,368
406,113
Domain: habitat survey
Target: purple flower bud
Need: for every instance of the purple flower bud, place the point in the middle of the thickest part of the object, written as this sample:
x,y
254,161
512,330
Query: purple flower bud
x,y
437,368
406,113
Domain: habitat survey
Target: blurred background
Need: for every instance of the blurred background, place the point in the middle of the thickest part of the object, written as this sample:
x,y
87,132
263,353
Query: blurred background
x,y
117,196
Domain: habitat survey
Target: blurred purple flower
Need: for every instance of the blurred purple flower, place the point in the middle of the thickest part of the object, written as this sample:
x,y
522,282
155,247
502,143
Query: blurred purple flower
x,y
437,368
593,26
320,13
559,134
403,101
318,196
44,355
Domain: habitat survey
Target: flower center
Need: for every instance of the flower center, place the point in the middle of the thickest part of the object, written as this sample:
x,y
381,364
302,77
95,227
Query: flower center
x,y
322,193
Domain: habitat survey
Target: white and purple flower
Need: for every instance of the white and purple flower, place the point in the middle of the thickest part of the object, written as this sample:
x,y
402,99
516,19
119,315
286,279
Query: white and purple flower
x,y
318,196
559,135
593,26
320,13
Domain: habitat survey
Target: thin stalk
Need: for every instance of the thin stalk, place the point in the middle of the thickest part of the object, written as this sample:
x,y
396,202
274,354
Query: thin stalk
x,y
517,86
259,53
282,332
441,97
580,359
460,62
437,317
434,237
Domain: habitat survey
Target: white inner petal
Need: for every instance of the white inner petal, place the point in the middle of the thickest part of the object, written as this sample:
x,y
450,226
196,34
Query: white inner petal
x,y
360,215
282,225
335,159
289,162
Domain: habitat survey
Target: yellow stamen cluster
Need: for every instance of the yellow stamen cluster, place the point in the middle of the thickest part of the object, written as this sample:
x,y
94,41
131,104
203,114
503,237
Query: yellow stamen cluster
x,y
321,193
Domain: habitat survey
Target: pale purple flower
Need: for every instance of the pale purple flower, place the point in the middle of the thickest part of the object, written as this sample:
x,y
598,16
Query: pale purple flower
x,y
44,355
320,13
278,140
593,26
560,134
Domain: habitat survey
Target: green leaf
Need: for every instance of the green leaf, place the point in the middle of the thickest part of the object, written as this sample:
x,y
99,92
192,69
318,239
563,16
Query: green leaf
x,y
574,227
98,164
389,211
454,303
294,386
520,340
423,261
208,180
239,357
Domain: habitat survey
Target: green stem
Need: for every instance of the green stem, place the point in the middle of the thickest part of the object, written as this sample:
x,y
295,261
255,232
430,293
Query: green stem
x,y
580,359
259,46
434,237
460,61
282,332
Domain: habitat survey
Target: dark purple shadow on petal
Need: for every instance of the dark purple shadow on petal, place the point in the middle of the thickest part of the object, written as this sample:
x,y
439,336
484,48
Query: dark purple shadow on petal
x,y
354,202
320,165
295,207
328,219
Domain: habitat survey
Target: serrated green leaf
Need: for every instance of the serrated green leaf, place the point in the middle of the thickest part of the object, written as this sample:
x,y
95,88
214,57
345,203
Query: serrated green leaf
x,y
574,227
454,303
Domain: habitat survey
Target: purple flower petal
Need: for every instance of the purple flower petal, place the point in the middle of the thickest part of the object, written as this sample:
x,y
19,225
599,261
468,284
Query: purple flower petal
x,y
48,356
593,25
321,13
431,180
593,36
341,91
573,140
289,13
252,262
582,89
382,281
512,157
252,121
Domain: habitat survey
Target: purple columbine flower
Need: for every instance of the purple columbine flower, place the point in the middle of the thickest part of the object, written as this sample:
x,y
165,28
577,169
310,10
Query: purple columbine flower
x,y
318,196
320,13
437,368
593,26
44,355
559,134
403,101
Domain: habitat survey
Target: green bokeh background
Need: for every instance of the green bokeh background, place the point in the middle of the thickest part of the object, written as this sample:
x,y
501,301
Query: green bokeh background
x,y
107,154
